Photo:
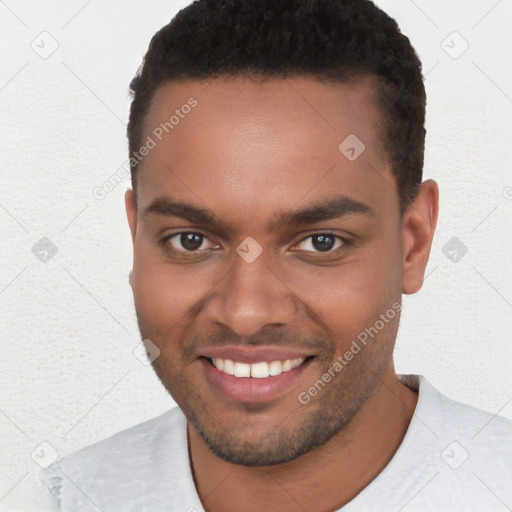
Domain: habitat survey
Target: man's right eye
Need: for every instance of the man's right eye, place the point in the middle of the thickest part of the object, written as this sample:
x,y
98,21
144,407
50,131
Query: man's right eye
x,y
187,241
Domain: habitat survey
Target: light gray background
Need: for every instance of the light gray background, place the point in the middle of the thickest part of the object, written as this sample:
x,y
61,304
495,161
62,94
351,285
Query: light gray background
x,y
68,376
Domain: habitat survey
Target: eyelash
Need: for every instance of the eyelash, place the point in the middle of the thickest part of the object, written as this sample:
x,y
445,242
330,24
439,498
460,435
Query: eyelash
x,y
164,242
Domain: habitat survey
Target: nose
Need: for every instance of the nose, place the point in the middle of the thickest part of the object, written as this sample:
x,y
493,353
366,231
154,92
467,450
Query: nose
x,y
251,296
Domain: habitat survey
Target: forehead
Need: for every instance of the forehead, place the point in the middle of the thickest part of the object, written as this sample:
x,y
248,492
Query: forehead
x,y
245,146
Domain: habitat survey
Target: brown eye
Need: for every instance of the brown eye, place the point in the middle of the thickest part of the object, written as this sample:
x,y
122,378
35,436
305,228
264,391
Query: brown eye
x,y
188,241
321,242
191,241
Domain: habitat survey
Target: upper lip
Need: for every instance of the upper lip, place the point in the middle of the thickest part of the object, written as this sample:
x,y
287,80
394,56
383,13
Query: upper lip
x,y
250,355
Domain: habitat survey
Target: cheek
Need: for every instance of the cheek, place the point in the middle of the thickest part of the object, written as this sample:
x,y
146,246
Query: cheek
x,y
164,294
158,292
353,295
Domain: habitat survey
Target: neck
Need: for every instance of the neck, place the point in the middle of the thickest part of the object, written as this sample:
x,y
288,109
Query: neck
x,y
327,477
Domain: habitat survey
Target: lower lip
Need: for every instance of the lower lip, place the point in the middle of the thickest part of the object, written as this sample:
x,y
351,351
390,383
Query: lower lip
x,y
249,389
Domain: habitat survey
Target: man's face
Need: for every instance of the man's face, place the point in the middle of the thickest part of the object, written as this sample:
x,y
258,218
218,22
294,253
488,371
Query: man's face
x,y
234,173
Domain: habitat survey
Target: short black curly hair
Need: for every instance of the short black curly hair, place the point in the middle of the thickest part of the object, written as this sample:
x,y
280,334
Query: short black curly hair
x,y
330,40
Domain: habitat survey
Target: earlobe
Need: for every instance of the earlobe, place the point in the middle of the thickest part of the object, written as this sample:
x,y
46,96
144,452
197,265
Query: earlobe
x,y
418,228
131,211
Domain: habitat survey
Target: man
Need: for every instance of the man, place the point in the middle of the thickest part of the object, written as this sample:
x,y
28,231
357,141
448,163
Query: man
x,y
277,216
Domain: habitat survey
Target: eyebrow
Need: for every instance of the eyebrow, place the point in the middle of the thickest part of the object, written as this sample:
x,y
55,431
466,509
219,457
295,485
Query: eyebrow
x,y
167,207
327,209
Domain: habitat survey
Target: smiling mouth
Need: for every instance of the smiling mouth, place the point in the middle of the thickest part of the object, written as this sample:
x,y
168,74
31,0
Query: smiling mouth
x,y
248,377
259,370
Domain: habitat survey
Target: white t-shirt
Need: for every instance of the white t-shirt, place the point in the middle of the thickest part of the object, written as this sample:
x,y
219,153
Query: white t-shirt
x,y
453,458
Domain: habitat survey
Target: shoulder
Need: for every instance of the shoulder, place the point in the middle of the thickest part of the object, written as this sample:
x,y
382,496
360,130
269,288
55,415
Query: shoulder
x,y
456,418
131,444
453,457
124,468
467,452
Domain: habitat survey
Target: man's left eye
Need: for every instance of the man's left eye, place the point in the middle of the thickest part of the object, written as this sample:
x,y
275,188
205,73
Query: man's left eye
x,y
321,242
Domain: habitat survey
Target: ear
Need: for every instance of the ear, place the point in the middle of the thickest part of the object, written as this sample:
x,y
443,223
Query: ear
x,y
131,211
418,227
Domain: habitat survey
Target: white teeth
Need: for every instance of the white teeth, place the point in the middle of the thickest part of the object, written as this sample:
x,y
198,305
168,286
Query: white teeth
x,y
287,365
227,366
275,368
242,370
260,370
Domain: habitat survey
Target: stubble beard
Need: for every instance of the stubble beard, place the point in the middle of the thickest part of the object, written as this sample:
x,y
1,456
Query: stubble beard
x,y
325,417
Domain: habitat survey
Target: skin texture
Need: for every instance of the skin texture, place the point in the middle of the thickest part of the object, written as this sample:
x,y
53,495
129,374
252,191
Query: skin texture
x,y
248,152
